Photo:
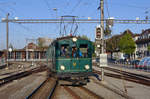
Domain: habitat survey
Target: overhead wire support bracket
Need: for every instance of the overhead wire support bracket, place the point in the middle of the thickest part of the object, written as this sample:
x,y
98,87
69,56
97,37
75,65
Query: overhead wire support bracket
x,y
76,21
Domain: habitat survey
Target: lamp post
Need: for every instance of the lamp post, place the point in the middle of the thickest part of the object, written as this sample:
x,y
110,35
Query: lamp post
x,y
55,9
10,50
7,37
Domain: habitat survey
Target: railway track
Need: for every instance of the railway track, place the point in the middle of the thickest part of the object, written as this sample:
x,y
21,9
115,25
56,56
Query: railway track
x,y
72,93
128,73
50,89
21,75
126,76
96,96
45,90
81,93
117,91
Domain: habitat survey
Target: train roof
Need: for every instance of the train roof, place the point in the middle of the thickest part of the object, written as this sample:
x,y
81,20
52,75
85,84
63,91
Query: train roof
x,y
68,37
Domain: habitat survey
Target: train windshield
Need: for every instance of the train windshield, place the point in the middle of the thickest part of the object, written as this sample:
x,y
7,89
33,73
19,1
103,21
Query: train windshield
x,y
83,51
64,51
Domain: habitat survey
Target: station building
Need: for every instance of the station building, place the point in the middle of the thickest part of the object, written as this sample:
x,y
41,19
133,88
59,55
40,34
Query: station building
x,y
31,52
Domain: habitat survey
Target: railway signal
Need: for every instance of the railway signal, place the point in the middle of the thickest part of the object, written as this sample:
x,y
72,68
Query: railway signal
x,y
98,32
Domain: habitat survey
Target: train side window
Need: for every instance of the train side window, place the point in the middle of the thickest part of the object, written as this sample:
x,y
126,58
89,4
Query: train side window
x,y
83,51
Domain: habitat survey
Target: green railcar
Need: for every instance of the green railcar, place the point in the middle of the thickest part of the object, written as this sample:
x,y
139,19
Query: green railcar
x,y
70,57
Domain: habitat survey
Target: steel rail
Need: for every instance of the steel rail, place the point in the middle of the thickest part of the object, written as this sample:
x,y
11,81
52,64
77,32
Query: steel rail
x,y
128,73
20,75
28,97
73,94
53,90
40,90
126,77
96,96
13,77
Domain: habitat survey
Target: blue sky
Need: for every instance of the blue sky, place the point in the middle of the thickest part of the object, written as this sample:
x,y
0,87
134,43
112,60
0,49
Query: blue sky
x,y
23,9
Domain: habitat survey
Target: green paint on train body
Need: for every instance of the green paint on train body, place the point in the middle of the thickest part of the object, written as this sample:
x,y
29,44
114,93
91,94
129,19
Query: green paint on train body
x,y
70,63
74,65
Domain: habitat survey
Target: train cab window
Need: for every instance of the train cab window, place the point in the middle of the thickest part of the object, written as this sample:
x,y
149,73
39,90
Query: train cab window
x,y
83,51
64,51
74,52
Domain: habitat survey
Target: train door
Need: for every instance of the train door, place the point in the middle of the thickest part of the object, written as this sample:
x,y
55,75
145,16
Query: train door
x,y
75,66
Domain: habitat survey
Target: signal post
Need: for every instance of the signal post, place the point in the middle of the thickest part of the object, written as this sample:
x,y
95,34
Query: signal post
x,y
100,41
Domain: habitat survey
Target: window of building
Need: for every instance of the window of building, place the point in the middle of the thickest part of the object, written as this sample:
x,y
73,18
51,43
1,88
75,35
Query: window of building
x,y
18,55
36,55
29,55
10,55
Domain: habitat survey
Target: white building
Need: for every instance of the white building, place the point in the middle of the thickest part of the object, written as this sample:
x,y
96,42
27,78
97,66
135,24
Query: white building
x,y
143,42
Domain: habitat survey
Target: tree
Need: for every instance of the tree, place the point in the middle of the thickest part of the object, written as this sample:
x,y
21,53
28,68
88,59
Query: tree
x,y
127,44
94,47
107,31
148,48
112,44
85,37
40,43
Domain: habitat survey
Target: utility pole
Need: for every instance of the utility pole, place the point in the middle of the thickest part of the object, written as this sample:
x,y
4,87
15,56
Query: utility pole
x,y
7,36
102,24
102,34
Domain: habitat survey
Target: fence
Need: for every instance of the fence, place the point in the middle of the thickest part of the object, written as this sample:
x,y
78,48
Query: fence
x,y
130,65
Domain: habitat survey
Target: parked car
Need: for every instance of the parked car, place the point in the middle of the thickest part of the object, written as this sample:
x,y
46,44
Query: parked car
x,y
112,61
142,64
148,65
120,61
134,63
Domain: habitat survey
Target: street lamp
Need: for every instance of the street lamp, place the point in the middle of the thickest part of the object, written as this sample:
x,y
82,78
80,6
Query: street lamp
x,y
10,50
55,9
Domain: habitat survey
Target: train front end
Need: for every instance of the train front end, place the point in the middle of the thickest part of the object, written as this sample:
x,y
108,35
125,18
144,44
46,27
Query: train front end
x,y
74,58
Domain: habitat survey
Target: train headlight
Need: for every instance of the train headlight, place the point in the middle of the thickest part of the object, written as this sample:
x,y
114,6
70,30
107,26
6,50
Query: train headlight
x,y
87,67
74,39
62,67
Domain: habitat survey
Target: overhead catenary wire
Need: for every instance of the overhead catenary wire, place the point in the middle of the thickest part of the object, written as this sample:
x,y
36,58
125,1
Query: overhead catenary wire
x,y
6,7
73,9
130,5
29,30
48,6
106,3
